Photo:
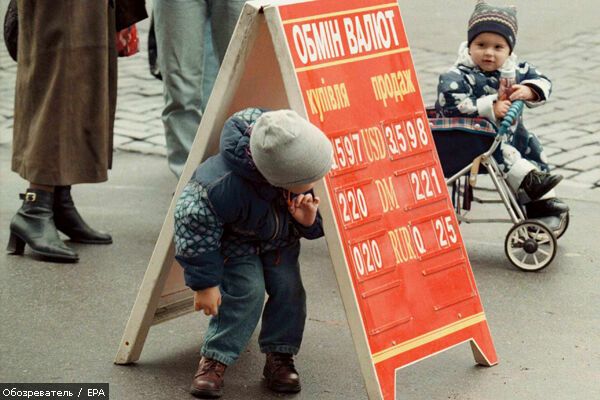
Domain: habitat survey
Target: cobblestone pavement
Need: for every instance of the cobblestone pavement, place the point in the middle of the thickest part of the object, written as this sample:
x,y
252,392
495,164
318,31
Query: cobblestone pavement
x,y
568,125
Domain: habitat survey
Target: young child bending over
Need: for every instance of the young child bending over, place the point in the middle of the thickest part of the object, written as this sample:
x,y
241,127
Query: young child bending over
x,y
238,225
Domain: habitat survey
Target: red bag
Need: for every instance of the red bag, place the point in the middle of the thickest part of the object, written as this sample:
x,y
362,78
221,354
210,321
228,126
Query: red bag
x,y
127,42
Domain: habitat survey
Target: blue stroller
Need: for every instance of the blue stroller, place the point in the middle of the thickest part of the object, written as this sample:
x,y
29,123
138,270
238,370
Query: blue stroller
x,y
466,148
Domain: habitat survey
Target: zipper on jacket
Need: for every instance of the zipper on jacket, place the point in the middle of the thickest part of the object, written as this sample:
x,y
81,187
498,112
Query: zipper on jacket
x,y
276,224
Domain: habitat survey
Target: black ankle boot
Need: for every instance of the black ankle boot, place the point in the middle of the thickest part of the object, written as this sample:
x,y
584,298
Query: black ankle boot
x,y
69,222
545,208
34,224
536,183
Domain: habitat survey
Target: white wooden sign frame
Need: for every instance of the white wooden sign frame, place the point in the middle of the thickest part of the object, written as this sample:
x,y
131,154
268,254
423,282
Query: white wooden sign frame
x,y
257,72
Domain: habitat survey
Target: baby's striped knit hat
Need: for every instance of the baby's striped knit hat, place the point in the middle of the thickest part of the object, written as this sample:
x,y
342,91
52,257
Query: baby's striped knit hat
x,y
500,20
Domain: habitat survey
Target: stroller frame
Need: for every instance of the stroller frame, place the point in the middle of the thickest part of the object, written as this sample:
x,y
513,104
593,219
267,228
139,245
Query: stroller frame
x,y
530,244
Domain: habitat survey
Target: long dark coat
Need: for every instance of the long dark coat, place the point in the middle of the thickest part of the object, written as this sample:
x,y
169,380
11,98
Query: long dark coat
x,y
66,90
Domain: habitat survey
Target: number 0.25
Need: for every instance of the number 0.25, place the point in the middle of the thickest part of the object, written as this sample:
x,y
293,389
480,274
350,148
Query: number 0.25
x,y
445,232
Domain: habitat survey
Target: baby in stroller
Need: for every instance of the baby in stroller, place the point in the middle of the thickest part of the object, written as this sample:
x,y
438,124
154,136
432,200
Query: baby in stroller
x,y
484,81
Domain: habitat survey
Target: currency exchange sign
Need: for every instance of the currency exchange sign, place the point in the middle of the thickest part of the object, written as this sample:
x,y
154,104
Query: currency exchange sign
x,y
404,253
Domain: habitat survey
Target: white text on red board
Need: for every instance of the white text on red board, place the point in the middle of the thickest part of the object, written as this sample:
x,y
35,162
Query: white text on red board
x,y
343,36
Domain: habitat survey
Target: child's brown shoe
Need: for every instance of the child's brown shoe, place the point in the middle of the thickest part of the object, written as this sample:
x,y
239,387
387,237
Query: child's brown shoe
x,y
280,373
208,381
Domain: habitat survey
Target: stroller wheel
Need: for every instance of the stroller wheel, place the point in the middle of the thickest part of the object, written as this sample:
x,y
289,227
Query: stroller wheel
x,y
564,224
530,245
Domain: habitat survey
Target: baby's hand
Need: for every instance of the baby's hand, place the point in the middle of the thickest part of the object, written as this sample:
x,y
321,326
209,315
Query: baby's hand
x,y
304,209
501,108
208,300
523,92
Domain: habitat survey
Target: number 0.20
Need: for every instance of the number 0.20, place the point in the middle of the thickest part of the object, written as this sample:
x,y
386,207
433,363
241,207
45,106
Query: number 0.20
x,y
367,257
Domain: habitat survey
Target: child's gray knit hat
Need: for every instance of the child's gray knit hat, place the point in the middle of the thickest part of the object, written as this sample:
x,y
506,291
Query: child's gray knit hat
x,y
288,150
495,19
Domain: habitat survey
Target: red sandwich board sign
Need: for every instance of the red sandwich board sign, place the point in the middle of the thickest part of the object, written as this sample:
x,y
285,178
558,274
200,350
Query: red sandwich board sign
x,y
410,272
400,262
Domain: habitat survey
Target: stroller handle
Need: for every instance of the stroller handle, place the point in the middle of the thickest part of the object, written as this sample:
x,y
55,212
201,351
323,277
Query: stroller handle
x,y
515,110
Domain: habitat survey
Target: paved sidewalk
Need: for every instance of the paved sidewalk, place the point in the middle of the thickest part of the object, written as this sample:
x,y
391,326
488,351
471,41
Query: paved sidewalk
x,y
63,322
569,125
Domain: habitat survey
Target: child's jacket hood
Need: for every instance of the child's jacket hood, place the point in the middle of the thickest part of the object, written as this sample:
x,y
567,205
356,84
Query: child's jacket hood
x,y
235,149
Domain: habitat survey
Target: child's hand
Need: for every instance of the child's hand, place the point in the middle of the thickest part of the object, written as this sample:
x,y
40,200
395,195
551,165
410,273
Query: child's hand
x,y
208,299
304,209
523,92
501,108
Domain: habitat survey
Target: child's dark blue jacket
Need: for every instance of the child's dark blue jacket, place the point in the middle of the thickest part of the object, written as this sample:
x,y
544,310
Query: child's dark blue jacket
x,y
228,209
467,91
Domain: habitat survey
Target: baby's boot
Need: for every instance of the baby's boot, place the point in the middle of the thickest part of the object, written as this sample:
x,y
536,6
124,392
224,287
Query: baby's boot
x,y
536,183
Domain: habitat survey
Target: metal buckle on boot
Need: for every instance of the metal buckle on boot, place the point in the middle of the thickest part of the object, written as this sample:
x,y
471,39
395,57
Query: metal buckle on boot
x,y
30,196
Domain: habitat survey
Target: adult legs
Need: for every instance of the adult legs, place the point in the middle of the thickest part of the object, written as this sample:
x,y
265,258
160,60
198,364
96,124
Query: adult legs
x,y
33,224
211,66
69,221
223,18
180,27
